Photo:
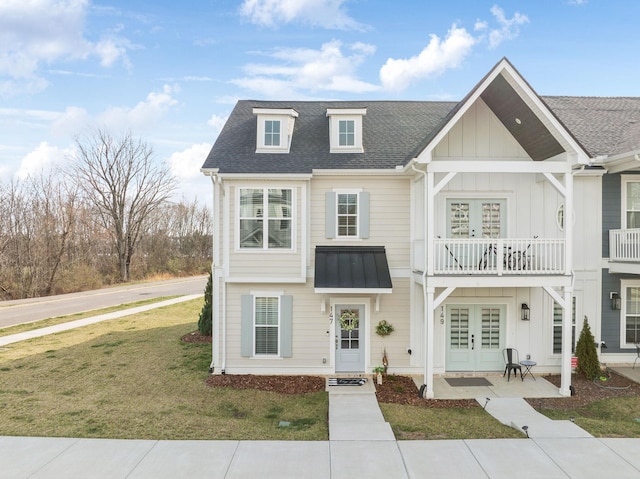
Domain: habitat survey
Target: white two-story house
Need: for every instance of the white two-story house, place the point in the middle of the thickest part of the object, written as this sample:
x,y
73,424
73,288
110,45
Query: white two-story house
x,y
469,226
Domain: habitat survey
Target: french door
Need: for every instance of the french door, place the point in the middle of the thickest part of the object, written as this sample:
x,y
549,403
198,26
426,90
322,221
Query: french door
x,y
475,337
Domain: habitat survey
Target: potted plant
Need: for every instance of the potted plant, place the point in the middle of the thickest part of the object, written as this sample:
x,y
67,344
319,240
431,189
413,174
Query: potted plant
x,y
378,372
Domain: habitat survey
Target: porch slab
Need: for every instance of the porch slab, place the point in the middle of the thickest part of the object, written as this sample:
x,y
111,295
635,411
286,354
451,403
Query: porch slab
x,y
500,388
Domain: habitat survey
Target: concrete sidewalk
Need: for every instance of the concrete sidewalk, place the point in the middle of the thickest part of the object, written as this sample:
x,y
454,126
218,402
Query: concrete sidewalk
x,y
62,458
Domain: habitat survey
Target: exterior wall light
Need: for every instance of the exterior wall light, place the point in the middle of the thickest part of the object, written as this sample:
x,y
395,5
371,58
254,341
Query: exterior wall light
x,y
616,301
524,312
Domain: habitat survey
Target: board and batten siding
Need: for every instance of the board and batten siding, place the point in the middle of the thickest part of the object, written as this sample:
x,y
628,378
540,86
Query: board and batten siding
x,y
250,264
389,214
479,134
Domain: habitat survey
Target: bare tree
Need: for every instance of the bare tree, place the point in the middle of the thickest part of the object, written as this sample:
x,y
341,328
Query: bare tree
x,y
122,182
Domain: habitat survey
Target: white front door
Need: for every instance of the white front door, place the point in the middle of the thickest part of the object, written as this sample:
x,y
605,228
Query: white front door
x,y
475,337
349,337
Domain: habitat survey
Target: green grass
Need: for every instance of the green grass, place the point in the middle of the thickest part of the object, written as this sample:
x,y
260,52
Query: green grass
x,y
133,378
414,422
614,417
21,328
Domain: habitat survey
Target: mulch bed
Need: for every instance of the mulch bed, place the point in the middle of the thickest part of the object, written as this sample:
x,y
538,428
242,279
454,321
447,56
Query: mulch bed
x,y
195,337
278,384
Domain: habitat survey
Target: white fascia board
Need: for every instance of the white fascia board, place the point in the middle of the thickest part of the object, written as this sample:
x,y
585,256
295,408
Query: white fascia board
x,y
346,111
355,172
266,176
209,171
621,163
265,280
276,111
482,166
353,290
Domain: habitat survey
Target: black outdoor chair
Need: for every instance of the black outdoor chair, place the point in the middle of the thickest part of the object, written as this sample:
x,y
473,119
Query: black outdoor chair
x,y
512,363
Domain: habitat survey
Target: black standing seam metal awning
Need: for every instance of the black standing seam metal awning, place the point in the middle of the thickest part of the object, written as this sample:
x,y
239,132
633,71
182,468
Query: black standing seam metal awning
x,y
349,268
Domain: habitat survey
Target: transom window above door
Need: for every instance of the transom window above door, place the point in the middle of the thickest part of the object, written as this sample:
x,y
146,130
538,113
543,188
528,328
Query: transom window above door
x,y
476,218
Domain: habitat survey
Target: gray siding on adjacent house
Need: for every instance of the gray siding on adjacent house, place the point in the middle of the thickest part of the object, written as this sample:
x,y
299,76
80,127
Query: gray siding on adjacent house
x,y
610,209
610,319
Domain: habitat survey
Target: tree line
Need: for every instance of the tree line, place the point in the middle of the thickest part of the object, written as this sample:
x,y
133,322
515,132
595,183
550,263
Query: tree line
x,y
106,217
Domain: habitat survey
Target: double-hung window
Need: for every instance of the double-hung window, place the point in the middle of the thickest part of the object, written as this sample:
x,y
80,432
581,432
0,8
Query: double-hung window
x,y
630,323
265,218
347,214
266,325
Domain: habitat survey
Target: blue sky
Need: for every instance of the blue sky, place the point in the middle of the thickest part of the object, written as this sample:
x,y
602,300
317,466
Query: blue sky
x,y
171,71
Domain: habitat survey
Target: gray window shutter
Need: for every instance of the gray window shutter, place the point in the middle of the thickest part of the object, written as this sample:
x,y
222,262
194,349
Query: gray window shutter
x,y
364,214
330,214
286,329
246,326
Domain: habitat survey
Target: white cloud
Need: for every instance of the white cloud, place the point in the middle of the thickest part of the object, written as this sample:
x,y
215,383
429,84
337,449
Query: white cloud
x,y
323,13
43,157
437,57
327,69
37,32
508,26
217,122
70,122
185,165
144,115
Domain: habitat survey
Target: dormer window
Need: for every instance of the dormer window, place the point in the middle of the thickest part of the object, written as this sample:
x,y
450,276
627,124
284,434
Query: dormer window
x,y
345,129
275,129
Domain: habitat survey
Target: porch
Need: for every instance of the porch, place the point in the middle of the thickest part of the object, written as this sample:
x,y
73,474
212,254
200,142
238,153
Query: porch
x,y
499,388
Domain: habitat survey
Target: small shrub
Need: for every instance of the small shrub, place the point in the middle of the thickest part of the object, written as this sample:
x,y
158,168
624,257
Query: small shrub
x,y
204,323
588,363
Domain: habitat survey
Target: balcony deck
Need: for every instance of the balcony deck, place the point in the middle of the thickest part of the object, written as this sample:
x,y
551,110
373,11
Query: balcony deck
x,y
624,251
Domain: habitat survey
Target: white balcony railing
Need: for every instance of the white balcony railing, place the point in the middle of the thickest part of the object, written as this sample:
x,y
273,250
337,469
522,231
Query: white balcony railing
x,y
499,256
624,245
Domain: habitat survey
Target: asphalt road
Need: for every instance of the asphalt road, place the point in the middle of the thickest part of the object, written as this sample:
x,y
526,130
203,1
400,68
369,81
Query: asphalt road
x,y
34,309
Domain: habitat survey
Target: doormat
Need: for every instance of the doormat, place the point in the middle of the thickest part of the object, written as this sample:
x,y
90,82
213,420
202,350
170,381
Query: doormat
x,y
347,381
462,382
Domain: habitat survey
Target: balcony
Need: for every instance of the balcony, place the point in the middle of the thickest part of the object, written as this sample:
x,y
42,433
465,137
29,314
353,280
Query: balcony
x,y
624,251
499,256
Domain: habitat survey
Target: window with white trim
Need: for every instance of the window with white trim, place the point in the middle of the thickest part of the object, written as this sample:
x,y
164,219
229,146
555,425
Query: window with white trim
x,y
345,129
274,129
631,202
266,325
630,317
265,218
557,327
347,214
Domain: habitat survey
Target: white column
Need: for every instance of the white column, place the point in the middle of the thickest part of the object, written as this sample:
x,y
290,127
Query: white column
x,y
428,342
565,368
429,195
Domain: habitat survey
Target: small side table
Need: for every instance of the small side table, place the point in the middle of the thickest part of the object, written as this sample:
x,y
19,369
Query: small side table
x,y
528,364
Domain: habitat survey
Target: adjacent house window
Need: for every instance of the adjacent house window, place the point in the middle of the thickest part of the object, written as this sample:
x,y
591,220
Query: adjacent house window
x,y
557,327
631,207
476,218
265,218
272,133
630,313
347,214
266,325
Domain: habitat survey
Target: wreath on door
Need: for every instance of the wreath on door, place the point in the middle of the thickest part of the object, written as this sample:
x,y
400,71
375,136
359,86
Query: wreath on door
x,y
349,320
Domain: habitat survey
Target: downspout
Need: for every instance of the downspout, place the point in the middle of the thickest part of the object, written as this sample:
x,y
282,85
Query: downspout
x,y
424,272
220,340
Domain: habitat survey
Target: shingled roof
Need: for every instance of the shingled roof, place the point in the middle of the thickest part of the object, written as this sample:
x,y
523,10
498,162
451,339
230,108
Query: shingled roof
x,y
395,131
